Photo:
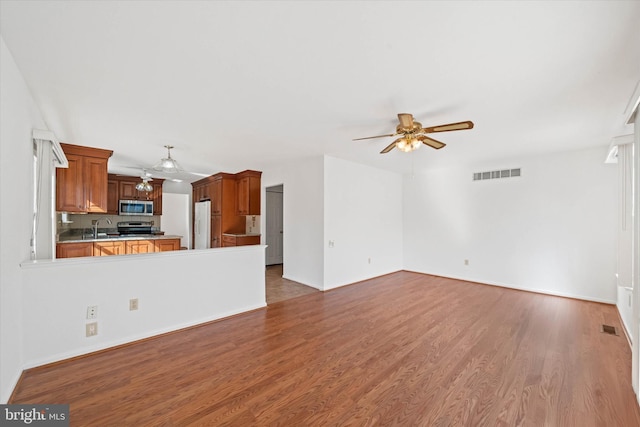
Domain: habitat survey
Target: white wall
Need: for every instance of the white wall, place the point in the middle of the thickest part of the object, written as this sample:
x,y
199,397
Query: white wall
x,y
363,217
176,216
19,116
551,230
303,206
174,289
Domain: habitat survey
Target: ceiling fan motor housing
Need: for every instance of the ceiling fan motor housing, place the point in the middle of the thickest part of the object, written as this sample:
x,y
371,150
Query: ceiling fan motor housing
x,y
417,127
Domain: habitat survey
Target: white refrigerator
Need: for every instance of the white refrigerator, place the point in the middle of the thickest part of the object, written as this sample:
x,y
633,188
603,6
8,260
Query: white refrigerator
x,y
202,225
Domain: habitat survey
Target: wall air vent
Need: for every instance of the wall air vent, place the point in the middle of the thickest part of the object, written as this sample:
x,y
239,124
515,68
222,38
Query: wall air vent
x,y
504,173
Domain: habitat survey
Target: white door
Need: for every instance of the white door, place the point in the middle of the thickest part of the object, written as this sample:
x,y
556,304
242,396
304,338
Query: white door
x,y
274,224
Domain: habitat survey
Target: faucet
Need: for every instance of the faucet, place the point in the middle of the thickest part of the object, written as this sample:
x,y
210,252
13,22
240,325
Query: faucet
x,y
95,226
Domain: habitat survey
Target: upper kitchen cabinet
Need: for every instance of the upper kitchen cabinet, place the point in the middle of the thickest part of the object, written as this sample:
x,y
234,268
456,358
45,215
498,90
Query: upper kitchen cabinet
x,y
202,190
156,196
248,192
82,187
127,190
123,187
223,201
112,195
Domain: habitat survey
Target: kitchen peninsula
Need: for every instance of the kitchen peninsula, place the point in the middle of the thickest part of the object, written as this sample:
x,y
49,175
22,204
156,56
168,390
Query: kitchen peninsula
x,y
85,244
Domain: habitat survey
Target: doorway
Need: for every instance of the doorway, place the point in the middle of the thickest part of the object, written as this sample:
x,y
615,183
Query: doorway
x,y
275,225
277,287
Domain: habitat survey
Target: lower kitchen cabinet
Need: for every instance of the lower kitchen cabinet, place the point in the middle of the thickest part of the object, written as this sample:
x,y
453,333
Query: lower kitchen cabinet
x,y
166,245
139,246
108,248
74,250
115,247
239,240
216,231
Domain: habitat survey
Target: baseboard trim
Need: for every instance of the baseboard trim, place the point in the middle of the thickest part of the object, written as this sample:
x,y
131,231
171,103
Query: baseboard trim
x,y
520,288
16,384
293,279
624,328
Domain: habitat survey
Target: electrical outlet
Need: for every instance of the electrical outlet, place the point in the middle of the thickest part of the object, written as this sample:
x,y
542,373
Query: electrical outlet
x,y
331,243
92,312
466,262
92,329
133,304
369,260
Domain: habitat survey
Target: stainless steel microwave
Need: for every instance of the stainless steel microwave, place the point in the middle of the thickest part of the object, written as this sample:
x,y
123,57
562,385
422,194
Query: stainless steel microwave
x,y
135,207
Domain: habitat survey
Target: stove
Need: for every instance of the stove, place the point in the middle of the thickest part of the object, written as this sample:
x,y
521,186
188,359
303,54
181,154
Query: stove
x,y
128,228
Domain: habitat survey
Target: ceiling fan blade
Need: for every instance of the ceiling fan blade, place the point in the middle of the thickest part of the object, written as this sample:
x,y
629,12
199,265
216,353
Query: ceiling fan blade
x,y
431,142
390,146
449,127
406,120
377,136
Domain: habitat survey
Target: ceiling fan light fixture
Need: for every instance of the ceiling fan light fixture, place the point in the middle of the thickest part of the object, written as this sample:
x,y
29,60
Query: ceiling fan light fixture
x,y
407,145
144,186
168,165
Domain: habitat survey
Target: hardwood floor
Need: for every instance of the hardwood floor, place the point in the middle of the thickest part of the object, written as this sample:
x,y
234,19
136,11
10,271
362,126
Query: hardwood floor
x,y
280,289
402,349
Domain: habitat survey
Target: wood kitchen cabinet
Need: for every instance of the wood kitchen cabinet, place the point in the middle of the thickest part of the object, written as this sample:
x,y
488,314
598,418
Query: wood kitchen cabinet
x,y
165,245
127,190
82,187
74,250
115,247
216,201
221,190
123,187
202,192
112,195
248,192
239,240
109,247
139,246
216,231
156,196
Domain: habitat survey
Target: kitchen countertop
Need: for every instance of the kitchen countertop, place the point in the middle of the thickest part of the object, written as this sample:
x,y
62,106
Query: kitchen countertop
x,y
79,239
241,234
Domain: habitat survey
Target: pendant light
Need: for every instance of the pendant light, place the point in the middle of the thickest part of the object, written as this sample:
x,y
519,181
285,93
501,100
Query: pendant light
x,y
168,165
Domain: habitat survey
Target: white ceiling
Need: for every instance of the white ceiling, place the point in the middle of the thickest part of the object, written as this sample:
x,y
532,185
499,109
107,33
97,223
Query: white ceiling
x,y
237,85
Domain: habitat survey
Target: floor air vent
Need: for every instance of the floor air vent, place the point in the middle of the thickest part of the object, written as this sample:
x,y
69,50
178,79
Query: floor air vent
x,y
505,173
608,329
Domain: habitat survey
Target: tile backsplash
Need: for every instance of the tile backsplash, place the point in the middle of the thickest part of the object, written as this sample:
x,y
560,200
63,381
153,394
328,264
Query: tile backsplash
x,y
252,224
79,221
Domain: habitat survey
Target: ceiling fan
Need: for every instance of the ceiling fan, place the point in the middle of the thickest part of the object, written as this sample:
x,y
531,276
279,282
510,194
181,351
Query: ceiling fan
x,y
413,134
144,184
167,168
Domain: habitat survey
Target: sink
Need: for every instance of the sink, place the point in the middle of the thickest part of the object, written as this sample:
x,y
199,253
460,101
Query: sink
x,y
89,236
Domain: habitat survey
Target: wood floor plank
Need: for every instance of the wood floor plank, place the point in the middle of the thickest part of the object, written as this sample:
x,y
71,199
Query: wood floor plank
x,y
402,349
